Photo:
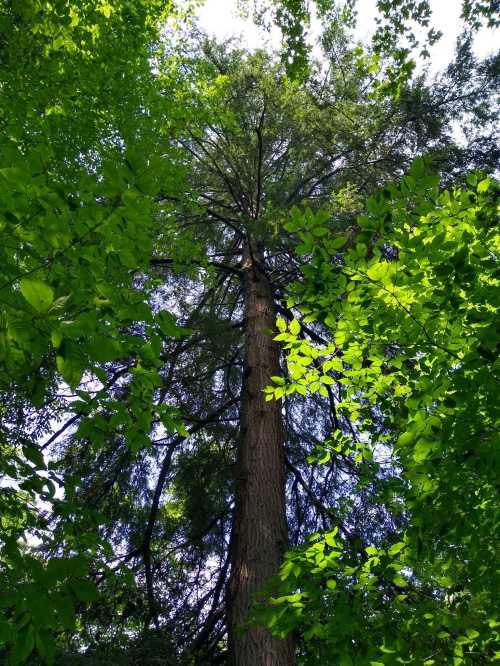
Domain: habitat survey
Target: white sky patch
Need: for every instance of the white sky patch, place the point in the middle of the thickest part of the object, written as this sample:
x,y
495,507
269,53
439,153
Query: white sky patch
x,y
220,19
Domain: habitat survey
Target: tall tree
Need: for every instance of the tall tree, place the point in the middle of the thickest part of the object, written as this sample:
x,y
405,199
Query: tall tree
x,y
252,165
271,144
259,530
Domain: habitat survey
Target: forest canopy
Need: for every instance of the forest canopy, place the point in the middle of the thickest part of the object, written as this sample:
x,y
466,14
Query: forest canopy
x,y
249,338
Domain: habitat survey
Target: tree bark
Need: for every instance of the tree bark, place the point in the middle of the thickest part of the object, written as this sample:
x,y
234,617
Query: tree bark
x,y
259,536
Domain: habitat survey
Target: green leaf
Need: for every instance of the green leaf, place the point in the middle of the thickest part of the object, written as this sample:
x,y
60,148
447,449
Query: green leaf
x,y
33,454
281,324
24,644
56,338
330,537
70,369
417,168
483,185
400,581
333,364
405,438
339,242
396,548
45,645
37,293
295,327
103,349
65,610
422,450
377,271
85,590
472,633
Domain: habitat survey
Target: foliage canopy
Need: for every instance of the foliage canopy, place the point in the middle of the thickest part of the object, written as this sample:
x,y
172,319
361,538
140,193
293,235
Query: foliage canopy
x,y
139,178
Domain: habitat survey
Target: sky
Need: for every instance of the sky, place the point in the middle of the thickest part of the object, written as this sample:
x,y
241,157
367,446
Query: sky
x,y
219,18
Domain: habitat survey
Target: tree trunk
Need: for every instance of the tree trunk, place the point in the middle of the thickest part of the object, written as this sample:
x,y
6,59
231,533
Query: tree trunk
x,y
259,526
